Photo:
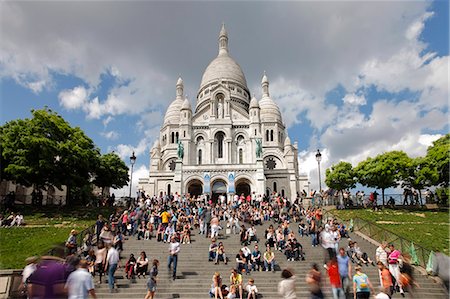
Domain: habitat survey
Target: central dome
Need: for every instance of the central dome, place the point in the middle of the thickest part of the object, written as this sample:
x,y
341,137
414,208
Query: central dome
x,y
223,66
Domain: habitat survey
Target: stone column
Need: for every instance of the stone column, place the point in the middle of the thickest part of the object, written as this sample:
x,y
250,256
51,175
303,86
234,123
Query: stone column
x,y
178,178
260,178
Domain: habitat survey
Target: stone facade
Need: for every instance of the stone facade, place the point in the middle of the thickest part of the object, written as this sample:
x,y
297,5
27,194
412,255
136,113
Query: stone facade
x,y
219,139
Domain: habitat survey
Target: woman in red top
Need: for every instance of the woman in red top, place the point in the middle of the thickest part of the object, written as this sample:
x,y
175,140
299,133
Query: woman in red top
x,y
335,279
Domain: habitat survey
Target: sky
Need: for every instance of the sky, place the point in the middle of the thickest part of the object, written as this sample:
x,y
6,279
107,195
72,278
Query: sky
x,y
353,79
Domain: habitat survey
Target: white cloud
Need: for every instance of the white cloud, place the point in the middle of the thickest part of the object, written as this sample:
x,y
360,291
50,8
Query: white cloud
x,y
73,98
107,120
138,172
353,99
110,135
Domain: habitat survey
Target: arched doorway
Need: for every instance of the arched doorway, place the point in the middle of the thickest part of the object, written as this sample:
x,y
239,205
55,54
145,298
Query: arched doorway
x,y
195,188
243,187
219,187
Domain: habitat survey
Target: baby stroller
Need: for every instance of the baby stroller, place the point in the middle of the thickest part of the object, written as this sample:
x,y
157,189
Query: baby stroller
x,y
130,267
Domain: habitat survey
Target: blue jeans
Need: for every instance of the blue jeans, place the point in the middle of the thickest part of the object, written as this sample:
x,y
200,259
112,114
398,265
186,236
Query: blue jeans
x,y
272,264
173,259
111,271
338,293
314,239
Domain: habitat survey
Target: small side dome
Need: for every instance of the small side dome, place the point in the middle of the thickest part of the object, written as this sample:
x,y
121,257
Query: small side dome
x,y
254,103
173,112
287,141
186,105
269,110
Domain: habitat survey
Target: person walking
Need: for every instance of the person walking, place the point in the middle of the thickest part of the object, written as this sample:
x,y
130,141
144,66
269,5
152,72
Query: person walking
x,y
286,287
151,282
361,285
314,278
345,270
111,265
393,260
80,283
174,249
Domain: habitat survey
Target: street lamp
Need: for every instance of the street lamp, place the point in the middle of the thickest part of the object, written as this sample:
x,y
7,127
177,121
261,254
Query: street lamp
x,y
319,158
132,161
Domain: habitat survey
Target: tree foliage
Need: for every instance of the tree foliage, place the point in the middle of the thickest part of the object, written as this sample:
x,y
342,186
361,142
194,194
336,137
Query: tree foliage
x,y
439,155
341,176
45,150
420,173
384,171
111,172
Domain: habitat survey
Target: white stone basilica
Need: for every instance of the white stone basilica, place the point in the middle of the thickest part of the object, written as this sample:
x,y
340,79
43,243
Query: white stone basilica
x,y
213,148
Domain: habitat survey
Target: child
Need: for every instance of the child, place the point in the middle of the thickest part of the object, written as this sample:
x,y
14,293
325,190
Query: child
x,y
251,289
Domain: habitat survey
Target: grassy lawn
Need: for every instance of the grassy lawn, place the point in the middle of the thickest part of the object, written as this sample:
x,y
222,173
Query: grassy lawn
x,y
45,227
426,228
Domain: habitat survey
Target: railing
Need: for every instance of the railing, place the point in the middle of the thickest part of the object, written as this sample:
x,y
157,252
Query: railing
x,y
380,234
80,241
364,201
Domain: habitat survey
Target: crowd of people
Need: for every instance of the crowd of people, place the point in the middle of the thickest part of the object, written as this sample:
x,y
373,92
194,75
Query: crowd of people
x,y
289,226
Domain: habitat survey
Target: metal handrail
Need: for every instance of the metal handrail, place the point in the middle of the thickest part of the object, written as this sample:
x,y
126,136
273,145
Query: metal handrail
x,y
380,234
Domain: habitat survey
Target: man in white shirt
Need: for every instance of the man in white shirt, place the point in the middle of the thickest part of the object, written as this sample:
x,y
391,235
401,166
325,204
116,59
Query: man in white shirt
x,y
112,262
80,283
174,249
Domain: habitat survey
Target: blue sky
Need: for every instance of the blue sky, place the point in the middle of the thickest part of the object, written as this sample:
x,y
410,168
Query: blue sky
x,y
353,79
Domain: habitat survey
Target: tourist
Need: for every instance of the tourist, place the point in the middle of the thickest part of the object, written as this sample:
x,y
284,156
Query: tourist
x,y
152,280
216,287
251,289
27,271
335,279
385,279
220,255
106,236
174,249
80,283
381,254
314,280
100,259
236,281
393,261
71,243
49,278
286,287
130,267
407,278
241,262
361,284
345,270
256,259
269,259
111,264
142,265
98,226
212,251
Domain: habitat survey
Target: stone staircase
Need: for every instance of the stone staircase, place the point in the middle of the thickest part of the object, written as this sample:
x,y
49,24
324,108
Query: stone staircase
x,y
194,272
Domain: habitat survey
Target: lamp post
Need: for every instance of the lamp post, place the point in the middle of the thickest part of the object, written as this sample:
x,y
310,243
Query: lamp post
x,y
319,158
132,161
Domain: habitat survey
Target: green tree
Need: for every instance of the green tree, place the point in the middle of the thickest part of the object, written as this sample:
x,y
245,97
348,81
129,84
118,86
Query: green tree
x,y
420,173
340,177
439,155
384,171
45,150
111,172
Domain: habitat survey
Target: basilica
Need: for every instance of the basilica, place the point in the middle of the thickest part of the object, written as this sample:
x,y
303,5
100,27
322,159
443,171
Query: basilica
x,y
230,142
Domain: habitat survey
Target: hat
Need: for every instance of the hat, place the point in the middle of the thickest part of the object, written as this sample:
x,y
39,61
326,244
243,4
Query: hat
x,y
31,259
74,232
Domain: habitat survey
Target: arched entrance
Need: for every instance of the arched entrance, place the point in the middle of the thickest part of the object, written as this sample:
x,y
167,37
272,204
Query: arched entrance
x,y
195,188
243,187
218,187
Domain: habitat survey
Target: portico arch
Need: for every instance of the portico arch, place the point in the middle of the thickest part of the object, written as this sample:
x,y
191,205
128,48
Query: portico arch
x,y
243,186
218,187
194,187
